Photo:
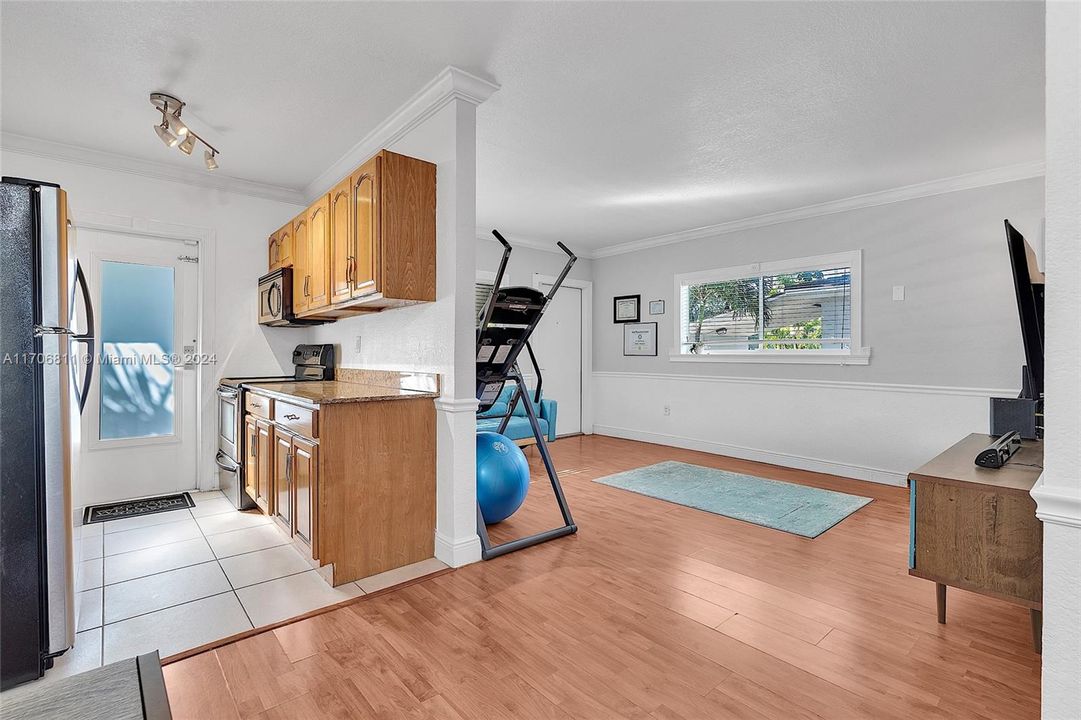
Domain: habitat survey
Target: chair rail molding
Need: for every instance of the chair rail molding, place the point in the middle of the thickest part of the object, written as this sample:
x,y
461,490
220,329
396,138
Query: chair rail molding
x,y
1057,504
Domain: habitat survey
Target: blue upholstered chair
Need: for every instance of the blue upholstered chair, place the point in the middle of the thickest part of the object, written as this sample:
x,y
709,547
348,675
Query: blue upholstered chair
x,y
518,428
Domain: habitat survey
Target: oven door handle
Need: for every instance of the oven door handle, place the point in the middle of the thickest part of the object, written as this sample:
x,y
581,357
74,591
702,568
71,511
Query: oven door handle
x,y
226,463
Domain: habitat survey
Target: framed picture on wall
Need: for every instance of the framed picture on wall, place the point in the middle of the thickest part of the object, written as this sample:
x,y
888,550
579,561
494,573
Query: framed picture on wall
x,y
656,307
640,339
626,308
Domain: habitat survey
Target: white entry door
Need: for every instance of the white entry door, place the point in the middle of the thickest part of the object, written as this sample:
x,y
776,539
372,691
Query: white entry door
x,y
559,345
140,420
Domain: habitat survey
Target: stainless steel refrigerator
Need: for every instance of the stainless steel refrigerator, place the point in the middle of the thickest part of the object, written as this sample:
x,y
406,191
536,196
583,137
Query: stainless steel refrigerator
x,y
46,362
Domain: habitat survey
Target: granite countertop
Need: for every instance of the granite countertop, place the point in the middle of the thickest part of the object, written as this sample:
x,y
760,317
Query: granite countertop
x,y
325,392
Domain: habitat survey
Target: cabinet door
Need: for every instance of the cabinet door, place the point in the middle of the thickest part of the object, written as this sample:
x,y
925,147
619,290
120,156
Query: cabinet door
x,y
305,481
251,457
264,441
285,246
301,250
273,253
341,244
283,479
319,253
365,218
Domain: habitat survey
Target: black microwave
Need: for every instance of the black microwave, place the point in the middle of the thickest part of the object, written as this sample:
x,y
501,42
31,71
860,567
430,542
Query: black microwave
x,y
276,300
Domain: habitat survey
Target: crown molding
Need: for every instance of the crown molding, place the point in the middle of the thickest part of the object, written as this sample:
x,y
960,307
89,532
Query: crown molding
x,y
942,186
37,147
540,245
450,84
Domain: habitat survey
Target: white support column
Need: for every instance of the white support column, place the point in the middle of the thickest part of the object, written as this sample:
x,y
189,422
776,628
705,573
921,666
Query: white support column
x,y
446,135
1058,495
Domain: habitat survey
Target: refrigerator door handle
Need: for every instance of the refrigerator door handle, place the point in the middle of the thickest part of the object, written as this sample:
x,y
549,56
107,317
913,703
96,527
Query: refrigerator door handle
x,y
87,338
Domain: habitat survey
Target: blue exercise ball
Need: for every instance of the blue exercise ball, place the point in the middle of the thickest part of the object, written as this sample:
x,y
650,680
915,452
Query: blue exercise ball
x,y
502,476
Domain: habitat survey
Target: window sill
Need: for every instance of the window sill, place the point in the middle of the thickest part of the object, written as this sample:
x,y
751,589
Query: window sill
x,y
795,357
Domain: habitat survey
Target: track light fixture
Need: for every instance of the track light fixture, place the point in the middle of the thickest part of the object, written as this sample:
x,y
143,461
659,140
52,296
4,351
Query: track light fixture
x,y
175,133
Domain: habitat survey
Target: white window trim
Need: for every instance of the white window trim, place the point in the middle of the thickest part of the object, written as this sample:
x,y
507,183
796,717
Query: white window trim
x,y
858,355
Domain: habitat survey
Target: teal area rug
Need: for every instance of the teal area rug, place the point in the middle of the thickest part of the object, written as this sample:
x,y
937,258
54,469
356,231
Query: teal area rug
x,y
797,509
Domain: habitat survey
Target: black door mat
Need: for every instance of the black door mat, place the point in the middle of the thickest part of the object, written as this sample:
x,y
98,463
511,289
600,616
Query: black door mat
x,y
132,508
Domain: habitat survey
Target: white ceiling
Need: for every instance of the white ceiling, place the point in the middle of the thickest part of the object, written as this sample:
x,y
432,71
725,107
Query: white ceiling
x,y
615,121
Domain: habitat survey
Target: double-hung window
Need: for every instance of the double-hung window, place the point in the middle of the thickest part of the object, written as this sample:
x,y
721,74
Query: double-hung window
x,y
800,310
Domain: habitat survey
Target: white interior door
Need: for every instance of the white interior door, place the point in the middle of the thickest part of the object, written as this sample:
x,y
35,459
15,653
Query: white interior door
x,y
557,343
139,427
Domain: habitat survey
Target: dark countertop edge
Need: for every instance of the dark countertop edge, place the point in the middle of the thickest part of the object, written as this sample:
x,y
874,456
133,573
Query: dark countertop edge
x,y
308,402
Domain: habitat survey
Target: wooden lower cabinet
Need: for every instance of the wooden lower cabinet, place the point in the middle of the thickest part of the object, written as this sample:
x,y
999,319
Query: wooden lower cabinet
x,y
264,433
283,479
296,482
305,474
251,457
359,499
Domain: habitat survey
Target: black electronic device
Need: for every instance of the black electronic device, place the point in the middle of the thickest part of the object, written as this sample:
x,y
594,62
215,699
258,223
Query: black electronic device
x,y
1024,414
1000,451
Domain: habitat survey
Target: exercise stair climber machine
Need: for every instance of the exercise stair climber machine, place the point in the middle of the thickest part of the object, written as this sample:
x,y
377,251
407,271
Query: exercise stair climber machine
x,y
509,318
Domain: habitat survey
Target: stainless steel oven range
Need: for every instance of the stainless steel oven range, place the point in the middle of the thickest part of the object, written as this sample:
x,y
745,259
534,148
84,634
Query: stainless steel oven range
x,y
310,362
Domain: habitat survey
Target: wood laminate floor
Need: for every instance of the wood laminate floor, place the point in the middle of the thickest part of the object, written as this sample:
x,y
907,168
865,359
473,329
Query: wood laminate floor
x,y
652,611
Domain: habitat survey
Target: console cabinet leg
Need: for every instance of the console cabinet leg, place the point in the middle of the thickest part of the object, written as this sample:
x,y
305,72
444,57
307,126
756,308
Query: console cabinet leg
x,y
940,593
1037,629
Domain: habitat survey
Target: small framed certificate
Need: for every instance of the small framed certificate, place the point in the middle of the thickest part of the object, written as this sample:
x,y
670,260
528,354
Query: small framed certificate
x,y
625,308
656,307
640,339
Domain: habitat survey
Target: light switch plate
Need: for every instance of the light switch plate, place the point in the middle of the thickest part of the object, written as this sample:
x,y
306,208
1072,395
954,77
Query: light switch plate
x,y
898,292
356,344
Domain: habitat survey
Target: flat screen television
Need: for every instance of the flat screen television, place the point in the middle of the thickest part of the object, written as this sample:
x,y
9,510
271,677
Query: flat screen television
x,y
1028,283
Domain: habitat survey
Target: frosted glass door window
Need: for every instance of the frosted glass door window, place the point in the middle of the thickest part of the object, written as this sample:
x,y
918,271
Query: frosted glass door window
x,y
137,333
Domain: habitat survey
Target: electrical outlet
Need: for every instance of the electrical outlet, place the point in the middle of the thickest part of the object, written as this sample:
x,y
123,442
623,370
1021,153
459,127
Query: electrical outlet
x,y
667,410
898,292
356,344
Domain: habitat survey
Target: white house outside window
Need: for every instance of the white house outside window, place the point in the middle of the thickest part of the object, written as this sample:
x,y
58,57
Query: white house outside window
x,y
801,310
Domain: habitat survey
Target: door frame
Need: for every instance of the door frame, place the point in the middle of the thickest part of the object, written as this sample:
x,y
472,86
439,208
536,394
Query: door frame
x,y
205,376
586,286
93,442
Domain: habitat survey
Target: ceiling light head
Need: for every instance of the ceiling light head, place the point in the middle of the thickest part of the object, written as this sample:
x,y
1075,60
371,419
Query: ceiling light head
x,y
166,135
177,126
187,144
211,163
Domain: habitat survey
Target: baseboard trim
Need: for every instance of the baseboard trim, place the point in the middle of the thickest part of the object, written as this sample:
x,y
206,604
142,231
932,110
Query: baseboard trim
x,y
457,552
800,462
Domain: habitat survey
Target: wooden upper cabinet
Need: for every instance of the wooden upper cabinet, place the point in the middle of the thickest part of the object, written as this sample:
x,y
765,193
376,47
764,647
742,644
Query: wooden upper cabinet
x,y
273,252
301,250
285,246
341,243
364,184
405,201
319,254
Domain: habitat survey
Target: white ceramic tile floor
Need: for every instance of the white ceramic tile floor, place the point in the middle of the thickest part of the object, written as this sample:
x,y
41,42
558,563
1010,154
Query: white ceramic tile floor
x,y
287,597
227,522
152,536
88,609
175,629
245,541
173,583
139,563
212,506
88,575
263,565
157,592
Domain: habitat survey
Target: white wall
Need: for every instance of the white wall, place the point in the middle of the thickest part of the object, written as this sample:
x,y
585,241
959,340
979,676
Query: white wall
x,y
936,357
1058,496
524,261
239,226
424,338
